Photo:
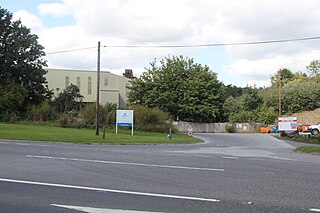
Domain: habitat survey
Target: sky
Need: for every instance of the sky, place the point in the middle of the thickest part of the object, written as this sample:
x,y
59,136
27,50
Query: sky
x,y
80,24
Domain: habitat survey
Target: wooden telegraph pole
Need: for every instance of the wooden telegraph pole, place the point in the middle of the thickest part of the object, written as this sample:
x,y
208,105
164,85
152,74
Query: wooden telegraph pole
x,y
279,80
98,91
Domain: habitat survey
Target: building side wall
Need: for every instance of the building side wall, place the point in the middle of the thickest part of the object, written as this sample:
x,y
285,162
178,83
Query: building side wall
x,y
112,87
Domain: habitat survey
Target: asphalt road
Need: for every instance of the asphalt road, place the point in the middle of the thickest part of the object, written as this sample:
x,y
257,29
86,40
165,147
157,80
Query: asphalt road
x,y
227,173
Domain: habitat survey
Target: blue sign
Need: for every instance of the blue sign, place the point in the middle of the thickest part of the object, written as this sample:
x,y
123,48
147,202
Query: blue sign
x,y
124,118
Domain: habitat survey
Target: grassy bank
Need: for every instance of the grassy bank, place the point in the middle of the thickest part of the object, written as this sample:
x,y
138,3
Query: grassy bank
x,y
309,149
57,134
314,139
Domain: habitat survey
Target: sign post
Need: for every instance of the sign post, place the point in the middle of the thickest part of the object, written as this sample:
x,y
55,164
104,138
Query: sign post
x,y
124,118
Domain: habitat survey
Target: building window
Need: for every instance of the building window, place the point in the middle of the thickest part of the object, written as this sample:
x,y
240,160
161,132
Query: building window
x,y
66,82
106,81
78,82
89,85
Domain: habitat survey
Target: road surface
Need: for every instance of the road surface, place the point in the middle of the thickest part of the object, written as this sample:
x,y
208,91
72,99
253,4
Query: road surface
x,y
226,173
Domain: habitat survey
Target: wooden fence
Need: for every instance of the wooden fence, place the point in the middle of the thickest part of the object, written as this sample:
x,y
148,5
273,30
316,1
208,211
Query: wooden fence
x,y
216,127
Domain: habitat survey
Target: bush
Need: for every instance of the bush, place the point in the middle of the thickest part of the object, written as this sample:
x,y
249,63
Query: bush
x,y
229,128
151,119
65,120
107,114
42,112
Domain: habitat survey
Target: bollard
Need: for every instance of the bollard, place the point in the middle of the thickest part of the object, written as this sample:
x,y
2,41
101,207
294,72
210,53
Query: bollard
x,y
104,133
170,134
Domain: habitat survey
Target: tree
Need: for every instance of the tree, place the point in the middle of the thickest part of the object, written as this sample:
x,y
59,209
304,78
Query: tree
x,y
21,61
284,74
181,87
314,67
68,100
244,108
233,91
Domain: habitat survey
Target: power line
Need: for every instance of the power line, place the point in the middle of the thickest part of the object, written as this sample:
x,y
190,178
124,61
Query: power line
x,y
73,50
215,44
194,45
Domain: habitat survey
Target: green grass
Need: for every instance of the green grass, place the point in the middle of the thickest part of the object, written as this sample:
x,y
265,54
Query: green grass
x,y
309,149
57,134
314,139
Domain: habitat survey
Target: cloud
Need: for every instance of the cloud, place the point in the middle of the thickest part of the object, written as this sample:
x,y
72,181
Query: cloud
x,y
54,9
29,20
145,22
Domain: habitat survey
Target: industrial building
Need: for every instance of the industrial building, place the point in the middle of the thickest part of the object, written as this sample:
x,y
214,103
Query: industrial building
x,y
113,88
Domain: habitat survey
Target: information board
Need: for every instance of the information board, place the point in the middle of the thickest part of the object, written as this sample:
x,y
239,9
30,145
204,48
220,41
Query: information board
x,y
288,124
124,118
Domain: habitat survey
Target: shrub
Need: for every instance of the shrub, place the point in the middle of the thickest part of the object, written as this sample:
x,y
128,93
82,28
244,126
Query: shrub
x,y
42,112
230,128
107,114
151,119
65,120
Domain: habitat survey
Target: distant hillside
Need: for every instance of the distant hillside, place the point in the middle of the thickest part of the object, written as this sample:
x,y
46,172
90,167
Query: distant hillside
x,y
308,117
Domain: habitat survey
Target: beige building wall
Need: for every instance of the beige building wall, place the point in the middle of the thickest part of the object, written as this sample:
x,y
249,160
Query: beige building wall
x,y
113,88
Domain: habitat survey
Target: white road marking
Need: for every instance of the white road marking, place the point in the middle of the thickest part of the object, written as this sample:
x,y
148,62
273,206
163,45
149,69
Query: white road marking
x,y
126,163
269,173
98,210
22,144
109,190
314,210
4,143
229,157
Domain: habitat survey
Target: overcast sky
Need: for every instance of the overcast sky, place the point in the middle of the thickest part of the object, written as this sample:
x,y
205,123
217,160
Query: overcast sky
x,y
72,24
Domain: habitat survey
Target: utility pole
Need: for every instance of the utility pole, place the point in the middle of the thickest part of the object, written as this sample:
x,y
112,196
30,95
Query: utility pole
x,y
98,91
280,82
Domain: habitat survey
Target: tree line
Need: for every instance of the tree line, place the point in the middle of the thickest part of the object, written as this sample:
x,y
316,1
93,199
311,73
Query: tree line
x,y
192,92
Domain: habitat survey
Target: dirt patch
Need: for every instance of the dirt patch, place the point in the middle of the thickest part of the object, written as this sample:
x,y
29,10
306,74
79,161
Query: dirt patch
x,y
308,117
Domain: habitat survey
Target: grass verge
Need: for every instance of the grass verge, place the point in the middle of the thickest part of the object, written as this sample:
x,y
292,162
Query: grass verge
x,y
309,149
57,134
314,139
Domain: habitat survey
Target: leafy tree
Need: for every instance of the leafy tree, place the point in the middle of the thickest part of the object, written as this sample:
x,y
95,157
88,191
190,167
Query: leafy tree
x,y
11,100
21,62
243,108
233,91
314,68
284,74
68,100
251,99
301,96
181,87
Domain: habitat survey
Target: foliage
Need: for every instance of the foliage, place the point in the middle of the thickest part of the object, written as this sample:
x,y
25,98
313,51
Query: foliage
x,y
300,96
244,108
41,112
68,100
107,114
181,87
314,68
11,100
233,91
151,119
21,66
283,75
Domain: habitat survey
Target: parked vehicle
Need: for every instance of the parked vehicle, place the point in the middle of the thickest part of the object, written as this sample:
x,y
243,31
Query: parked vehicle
x,y
314,129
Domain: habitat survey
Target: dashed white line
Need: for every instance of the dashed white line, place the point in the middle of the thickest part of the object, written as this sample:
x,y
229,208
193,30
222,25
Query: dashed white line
x,y
109,190
230,157
98,210
4,143
126,163
314,210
